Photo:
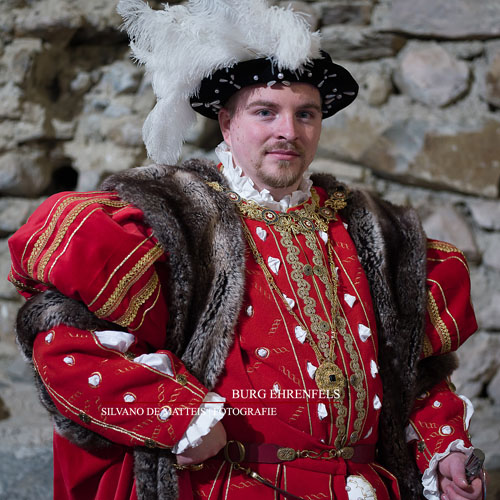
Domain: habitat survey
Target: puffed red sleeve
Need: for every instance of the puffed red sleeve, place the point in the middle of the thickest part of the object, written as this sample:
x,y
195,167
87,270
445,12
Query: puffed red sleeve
x,y
105,390
440,417
450,318
96,248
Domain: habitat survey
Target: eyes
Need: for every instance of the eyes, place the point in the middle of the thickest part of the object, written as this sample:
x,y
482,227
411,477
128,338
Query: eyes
x,y
301,115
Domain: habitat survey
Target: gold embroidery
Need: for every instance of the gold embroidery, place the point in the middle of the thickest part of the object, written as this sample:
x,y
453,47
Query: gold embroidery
x,y
138,300
305,220
116,269
42,240
318,270
147,310
462,261
128,280
68,220
444,247
20,285
42,270
438,323
446,307
427,347
76,411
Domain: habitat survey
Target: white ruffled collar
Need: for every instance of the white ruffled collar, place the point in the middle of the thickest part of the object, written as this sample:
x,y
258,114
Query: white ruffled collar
x,y
244,186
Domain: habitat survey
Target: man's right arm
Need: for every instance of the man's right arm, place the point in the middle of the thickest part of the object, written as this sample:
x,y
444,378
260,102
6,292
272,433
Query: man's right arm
x,y
96,249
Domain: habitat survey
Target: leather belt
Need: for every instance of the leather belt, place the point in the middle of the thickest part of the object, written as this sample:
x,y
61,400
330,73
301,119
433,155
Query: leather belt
x,y
236,452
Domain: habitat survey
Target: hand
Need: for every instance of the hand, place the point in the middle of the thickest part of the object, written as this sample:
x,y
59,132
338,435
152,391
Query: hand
x,y
452,482
210,445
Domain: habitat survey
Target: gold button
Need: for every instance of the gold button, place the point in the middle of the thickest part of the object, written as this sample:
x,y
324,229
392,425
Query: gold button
x,y
182,379
307,270
319,270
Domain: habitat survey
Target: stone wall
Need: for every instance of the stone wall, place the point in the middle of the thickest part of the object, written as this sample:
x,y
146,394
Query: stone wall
x,y
424,131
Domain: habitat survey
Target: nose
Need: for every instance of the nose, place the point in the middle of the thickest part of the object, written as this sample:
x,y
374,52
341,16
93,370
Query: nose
x,y
287,127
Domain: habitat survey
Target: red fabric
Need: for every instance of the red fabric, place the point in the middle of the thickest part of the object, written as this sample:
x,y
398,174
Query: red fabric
x,y
103,475
44,255
438,418
104,408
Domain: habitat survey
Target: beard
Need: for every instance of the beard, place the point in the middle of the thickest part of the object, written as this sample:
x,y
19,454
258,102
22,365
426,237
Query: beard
x,y
282,177
283,174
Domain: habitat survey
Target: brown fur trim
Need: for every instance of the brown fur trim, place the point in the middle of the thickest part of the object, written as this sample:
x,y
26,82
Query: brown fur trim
x,y
202,233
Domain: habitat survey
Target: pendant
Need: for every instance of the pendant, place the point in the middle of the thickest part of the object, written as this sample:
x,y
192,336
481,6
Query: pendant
x,y
330,379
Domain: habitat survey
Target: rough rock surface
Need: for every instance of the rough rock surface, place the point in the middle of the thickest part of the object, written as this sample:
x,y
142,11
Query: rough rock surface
x,y
441,18
424,132
431,75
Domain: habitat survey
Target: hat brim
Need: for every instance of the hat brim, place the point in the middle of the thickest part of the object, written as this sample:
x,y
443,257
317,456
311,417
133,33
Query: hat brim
x,y
335,84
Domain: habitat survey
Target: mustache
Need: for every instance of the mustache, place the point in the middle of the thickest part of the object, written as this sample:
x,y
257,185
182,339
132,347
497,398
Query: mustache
x,y
285,146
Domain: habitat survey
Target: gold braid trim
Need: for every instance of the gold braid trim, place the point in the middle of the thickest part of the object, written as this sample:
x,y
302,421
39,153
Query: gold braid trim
x,y
128,280
42,240
138,300
444,247
438,323
22,287
69,219
427,347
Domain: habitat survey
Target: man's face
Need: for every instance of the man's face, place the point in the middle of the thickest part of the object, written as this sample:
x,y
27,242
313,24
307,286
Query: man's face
x,y
273,133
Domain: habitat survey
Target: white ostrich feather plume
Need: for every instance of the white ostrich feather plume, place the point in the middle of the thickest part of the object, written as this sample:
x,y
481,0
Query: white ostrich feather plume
x,y
182,44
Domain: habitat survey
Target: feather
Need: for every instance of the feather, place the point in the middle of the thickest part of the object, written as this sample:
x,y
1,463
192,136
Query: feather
x,y
182,44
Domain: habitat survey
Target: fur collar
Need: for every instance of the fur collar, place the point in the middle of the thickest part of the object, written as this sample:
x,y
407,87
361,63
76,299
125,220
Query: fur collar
x,y
203,235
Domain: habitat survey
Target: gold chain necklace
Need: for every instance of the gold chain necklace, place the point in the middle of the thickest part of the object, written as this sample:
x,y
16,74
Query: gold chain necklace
x,y
328,376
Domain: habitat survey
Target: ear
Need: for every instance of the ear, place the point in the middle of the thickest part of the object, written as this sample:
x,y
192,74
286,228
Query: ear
x,y
225,125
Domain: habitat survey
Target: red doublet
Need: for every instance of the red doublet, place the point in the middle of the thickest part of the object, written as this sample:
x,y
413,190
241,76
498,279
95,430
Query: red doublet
x,y
117,270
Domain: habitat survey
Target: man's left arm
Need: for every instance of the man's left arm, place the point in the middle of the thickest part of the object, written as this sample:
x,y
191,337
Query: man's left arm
x,y
438,427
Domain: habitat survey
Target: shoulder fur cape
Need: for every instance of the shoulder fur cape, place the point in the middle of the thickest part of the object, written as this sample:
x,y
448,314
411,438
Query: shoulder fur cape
x,y
202,232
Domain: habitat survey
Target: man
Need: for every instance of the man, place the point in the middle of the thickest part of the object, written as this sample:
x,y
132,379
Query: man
x,y
297,303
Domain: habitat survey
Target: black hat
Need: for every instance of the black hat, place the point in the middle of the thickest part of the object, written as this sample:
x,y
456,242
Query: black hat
x,y
336,85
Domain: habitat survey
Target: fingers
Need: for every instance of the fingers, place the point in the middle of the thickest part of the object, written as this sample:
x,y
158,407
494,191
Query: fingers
x,y
473,491
457,471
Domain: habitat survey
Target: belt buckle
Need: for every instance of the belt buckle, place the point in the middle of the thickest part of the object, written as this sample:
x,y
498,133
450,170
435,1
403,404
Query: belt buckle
x,y
241,450
346,453
286,454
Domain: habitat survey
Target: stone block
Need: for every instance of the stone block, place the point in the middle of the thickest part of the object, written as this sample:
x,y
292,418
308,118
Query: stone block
x,y
431,75
8,312
343,171
357,13
492,81
26,172
120,77
10,101
479,363
490,246
377,87
51,20
464,160
440,19
485,433
485,213
446,224
359,44
32,125
13,213
7,290
17,60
